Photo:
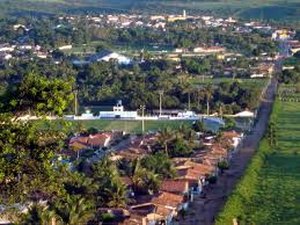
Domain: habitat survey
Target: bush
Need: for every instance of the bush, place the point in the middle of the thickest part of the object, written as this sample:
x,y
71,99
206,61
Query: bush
x,y
212,179
107,217
223,165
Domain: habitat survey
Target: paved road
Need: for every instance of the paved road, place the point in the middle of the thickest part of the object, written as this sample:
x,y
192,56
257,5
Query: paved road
x,y
203,211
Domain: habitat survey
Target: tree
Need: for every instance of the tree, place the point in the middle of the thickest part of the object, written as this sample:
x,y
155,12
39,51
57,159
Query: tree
x,y
39,95
198,126
160,164
26,159
223,165
92,131
110,190
73,210
39,215
165,137
208,95
144,180
117,194
180,148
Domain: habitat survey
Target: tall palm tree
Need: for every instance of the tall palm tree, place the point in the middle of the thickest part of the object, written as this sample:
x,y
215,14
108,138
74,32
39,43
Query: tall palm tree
x,y
185,82
208,95
165,137
220,106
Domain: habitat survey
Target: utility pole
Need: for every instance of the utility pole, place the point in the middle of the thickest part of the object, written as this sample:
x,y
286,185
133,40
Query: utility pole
x,y
142,108
161,92
207,107
221,111
76,102
189,103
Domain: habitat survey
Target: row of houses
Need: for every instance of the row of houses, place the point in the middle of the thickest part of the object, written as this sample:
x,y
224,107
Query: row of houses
x,y
193,175
9,51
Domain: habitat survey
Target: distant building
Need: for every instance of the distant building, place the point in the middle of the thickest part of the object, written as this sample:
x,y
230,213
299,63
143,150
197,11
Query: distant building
x,y
107,56
118,112
212,49
65,47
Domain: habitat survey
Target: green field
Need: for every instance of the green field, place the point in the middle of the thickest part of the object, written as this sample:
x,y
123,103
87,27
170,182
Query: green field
x,y
268,9
125,125
269,193
131,126
261,83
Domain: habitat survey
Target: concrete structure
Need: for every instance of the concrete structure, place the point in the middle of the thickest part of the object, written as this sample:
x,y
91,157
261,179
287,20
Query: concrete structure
x,y
107,56
118,112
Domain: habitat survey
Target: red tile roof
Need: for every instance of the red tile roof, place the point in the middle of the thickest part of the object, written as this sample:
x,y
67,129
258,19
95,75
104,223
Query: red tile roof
x,y
174,186
82,142
168,199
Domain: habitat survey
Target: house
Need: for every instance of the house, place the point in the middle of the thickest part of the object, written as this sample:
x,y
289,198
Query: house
x,y
149,214
170,201
180,187
130,154
92,141
233,137
195,173
212,49
262,70
7,48
65,47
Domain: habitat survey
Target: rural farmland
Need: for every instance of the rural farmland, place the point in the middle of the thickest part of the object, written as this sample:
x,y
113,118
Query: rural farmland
x,y
269,192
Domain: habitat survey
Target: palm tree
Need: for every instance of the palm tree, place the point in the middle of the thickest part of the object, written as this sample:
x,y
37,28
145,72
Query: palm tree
x,y
165,137
187,88
39,215
144,180
208,95
152,182
220,106
73,210
117,194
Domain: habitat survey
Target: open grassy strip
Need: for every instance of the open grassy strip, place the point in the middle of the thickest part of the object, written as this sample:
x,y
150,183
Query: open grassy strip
x,y
269,192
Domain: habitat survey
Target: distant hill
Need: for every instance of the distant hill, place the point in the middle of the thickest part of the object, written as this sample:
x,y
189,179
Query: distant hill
x,y
288,10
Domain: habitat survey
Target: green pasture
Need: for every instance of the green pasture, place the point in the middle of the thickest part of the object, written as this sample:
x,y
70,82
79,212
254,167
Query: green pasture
x,y
269,192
